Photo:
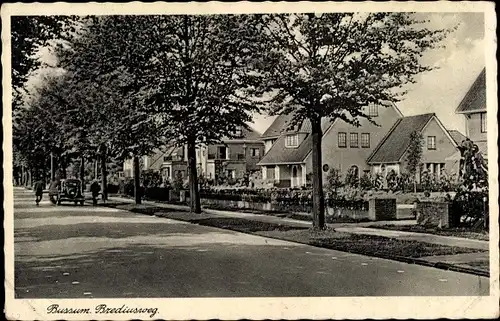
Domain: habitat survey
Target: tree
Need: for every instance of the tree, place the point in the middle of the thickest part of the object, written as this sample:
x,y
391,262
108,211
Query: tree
x,y
315,66
414,156
334,180
192,69
28,35
473,191
99,67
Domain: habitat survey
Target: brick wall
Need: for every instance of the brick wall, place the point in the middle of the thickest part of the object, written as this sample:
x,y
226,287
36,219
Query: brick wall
x,y
434,214
382,209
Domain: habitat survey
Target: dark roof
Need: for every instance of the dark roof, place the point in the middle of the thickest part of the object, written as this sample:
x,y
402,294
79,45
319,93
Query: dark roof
x,y
279,154
246,134
280,126
457,136
395,143
475,99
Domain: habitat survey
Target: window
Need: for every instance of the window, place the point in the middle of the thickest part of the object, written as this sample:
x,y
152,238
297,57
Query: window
x,y
365,140
342,140
484,127
372,110
353,139
239,132
431,142
292,140
255,152
231,173
222,152
167,172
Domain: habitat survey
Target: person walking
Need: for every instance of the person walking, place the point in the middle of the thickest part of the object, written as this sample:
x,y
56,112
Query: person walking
x,y
38,188
95,188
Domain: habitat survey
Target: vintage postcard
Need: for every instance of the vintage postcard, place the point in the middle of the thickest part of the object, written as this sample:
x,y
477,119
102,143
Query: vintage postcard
x,y
250,160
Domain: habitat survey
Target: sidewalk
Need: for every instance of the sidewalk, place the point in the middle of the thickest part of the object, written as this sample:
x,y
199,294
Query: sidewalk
x,y
354,228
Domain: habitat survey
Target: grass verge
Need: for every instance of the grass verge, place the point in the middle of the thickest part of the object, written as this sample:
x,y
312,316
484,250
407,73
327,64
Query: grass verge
x,y
370,245
457,232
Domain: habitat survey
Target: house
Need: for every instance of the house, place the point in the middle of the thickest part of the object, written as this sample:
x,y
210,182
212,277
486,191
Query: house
x,y
170,161
473,107
232,158
391,153
288,158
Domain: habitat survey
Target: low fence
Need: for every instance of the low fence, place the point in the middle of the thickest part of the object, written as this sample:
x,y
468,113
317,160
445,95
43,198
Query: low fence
x,y
334,208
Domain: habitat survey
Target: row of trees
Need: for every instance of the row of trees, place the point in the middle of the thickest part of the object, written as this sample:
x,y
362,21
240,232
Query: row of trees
x,y
131,83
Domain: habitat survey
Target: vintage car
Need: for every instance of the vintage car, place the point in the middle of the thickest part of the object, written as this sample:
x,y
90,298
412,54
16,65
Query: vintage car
x,y
66,190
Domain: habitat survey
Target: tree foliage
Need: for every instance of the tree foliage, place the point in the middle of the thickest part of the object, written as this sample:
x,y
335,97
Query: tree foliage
x,y
414,153
28,35
333,65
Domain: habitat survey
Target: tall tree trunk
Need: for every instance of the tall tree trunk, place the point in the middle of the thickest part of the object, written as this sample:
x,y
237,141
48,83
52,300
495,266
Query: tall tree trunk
x,y
137,182
194,193
104,174
317,176
23,178
30,177
63,168
82,172
52,168
96,169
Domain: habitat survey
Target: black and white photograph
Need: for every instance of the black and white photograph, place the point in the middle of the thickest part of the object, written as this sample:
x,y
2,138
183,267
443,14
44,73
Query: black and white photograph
x,y
250,161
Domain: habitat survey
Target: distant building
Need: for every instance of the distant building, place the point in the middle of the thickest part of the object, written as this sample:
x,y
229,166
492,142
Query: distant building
x,y
473,107
438,144
288,158
232,158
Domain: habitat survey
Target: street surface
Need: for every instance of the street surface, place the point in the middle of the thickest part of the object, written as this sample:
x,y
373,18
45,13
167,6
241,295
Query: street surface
x,y
95,252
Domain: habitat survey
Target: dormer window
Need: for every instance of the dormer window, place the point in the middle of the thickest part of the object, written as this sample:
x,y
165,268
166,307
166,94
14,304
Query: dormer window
x,y
238,132
292,140
372,110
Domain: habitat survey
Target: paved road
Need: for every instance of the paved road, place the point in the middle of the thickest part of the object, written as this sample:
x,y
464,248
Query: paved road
x,y
95,252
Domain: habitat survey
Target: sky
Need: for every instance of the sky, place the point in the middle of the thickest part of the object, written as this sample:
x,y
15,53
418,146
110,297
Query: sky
x,y
438,91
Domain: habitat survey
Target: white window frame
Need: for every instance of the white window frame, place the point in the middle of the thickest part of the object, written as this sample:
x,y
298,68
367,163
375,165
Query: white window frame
x,y
344,141
352,141
431,146
484,124
372,110
368,141
292,140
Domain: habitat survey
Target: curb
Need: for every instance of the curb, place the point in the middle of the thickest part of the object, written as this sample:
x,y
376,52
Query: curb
x,y
409,260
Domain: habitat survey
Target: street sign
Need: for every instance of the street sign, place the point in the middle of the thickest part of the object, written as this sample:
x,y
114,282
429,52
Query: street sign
x,y
326,168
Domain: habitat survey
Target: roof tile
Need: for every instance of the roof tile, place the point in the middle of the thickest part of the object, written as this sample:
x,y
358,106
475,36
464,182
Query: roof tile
x,y
393,146
475,99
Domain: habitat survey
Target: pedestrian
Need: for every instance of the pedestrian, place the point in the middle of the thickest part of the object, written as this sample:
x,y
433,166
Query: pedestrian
x,y
95,188
38,188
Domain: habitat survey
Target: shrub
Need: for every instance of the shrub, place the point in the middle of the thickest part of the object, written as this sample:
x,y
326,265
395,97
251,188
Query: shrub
x,y
351,178
392,180
365,182
333,180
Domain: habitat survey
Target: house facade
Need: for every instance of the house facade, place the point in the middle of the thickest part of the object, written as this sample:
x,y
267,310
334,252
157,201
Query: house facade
x,y
438,145
473,107
288,158
232,158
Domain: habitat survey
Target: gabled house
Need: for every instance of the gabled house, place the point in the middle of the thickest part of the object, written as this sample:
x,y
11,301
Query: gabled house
x,y
233,158
391,153
473,107
288,157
